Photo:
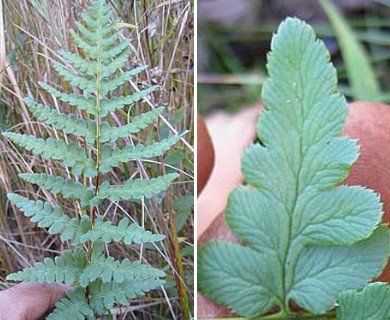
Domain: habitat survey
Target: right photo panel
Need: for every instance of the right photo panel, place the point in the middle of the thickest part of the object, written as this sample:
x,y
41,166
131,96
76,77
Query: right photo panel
x,y
293,182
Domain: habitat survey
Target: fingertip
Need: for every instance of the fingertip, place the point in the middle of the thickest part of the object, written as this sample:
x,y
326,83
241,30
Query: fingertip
x,y
205,155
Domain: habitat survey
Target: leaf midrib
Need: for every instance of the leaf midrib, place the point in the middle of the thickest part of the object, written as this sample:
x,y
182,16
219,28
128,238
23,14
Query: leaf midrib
x,y
286,288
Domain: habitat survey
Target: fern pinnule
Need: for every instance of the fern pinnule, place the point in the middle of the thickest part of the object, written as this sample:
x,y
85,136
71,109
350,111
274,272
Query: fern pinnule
x,y
138,123
106,294
75,306
67,123
52,217
80,101
137,188
113,158
57,185
63,269
125,231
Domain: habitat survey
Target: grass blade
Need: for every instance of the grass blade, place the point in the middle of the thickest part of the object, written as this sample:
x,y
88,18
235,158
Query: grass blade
x,y
361,75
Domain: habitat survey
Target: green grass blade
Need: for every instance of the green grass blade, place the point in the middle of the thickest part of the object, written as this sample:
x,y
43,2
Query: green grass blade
x,y
361,75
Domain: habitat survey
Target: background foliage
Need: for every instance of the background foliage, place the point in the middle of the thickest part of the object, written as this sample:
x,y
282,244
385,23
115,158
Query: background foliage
x,y
31,34
233,45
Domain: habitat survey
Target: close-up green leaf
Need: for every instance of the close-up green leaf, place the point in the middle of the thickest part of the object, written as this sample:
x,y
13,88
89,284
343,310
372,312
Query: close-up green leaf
x,y
371,303
306,237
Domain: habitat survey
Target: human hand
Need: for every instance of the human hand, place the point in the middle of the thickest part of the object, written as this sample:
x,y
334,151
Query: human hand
x,y
367,122
30,301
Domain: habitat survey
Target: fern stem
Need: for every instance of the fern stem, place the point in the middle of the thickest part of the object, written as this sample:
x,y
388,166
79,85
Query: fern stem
x,y
180,280
97,142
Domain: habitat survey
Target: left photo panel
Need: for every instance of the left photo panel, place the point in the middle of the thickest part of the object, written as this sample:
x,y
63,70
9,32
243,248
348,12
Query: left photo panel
x,y
97,159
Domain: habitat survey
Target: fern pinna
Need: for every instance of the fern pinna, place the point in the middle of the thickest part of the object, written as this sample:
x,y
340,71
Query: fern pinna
x,y
308,240
98,281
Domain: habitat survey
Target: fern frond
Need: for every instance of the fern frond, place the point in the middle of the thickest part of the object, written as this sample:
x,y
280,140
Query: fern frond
x,y
67,123
136,189
125,231
71,155
51,217
82,102
96,20
100,281
111,84
96,30
63,269
109,269
112,158
79,81
105,295
116,103
67,187
138,123
73,307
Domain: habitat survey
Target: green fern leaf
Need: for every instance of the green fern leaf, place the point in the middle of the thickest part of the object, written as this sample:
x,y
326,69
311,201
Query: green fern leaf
x,y
74,307
63,269
111,84
84,103
71,155
103,30
67,123
109,54
302,230
127,232
78,228
371,303
87,67
52,217
137,123
113,158
97,16
67,187
136,189
79,81
116,103
96,33
115,64
91,35
96,29
105,295
91,31
109,269
91,49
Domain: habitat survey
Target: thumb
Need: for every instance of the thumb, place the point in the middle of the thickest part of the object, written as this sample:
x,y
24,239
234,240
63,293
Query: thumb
x,y
30,301
205,154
